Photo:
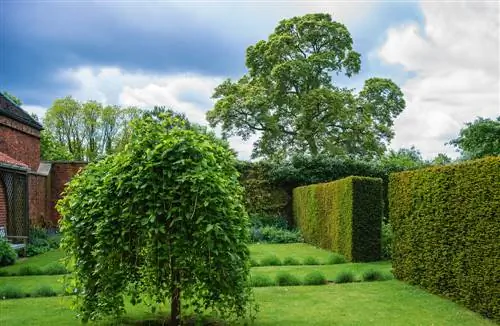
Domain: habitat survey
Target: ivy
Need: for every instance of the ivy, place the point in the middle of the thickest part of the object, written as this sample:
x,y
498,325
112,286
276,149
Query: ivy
x,y
160,221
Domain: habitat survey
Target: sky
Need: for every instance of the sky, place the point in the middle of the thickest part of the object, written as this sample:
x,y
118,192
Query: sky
x,y
445,55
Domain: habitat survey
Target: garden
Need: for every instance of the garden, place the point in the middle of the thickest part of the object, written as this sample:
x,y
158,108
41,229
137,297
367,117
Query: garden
x,y
167,227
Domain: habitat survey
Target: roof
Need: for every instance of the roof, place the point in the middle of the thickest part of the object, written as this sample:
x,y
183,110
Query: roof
x,y
8,161
13,111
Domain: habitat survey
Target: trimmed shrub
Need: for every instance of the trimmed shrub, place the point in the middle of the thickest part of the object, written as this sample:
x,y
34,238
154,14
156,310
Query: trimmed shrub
x,y
270,260
254,263
30,270
315,278
446,224
343,216
335,258
344,277
287,279
290,261
11,292
4,273
309,260
372,275
54,269
44,291
261,281
8,255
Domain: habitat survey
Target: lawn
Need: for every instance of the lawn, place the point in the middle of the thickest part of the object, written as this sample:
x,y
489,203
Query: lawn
x,y
361,303
377,303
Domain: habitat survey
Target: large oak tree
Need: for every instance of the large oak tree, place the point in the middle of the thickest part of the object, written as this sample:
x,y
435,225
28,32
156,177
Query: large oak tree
x,y
289,99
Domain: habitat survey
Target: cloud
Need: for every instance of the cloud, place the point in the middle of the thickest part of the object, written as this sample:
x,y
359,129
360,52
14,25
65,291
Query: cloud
x,y
184,92
454,58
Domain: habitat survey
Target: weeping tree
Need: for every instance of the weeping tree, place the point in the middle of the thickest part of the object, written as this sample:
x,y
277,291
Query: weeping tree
x,y
160,221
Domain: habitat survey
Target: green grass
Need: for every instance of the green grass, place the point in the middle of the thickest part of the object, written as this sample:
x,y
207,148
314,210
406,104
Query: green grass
x,y
29,284
375,304
40,261
298,251
330,271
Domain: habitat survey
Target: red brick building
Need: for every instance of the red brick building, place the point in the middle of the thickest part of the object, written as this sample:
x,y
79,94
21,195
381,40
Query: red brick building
x,y
29,188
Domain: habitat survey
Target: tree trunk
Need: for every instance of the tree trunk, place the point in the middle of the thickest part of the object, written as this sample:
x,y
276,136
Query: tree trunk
x,y
312,146
175,305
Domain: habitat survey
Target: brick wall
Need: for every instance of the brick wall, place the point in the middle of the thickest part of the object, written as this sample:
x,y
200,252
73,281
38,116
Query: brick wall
x,y
19,141
38,199
3,205
60,174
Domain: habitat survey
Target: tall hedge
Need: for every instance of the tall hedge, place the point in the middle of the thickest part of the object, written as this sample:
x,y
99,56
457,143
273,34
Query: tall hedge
x,y
344,216
446,224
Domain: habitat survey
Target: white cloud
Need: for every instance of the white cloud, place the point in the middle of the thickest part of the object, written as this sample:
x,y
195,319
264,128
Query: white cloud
x,y
186,93
455,58
36,109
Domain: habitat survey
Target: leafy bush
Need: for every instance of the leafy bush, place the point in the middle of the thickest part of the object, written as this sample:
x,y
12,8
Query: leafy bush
x,y
4,273
344,277
8,255
261,281
343,216
54,269
270,260
372,275
287,279
30,270
54,241
446,231
290,261
162,220
315,278
261,220
11,292
44,291
387,237
254,263
309,260
274,235
38,242
335,258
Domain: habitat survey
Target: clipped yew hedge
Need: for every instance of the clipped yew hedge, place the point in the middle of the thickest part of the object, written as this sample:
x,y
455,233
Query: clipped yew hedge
x,y
344,216
446,224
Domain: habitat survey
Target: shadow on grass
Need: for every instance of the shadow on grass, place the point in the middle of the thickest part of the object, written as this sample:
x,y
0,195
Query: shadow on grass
x,y
165,321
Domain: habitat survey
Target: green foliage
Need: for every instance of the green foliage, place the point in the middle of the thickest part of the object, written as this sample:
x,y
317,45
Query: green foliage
x,y
287,279
335,258
290,261
254,263
13,98
289,98
343,216
269,234
261,220
51,149
315,278
261,281
344,277
263,200
11,292
409,158
372,275
44,291
270,260
447,229
159,220
8,255
309,260
387,240
30,270
54,269
479,138
38,242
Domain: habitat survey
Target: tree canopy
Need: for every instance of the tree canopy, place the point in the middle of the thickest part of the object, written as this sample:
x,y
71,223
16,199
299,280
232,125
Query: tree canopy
x,y
159,220
289,100
479,138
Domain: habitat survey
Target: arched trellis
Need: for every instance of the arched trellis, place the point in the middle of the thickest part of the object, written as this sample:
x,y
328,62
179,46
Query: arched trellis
x,y
15,185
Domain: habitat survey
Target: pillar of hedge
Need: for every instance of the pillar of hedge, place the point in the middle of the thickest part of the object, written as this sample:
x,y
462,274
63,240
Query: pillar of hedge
x,y
344,216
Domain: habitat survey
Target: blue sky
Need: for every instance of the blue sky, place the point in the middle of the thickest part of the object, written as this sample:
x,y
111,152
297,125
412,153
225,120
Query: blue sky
x,y
174,53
